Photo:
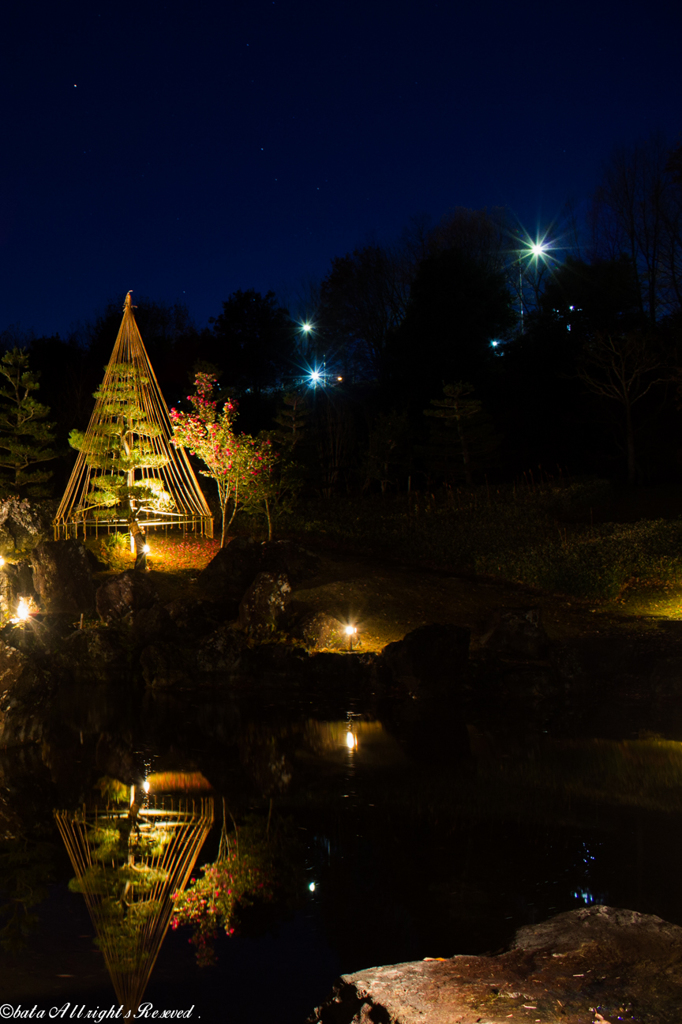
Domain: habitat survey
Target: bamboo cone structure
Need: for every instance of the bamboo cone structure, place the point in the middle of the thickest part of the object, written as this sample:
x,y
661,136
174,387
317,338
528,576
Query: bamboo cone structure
x,y
77,509
131,943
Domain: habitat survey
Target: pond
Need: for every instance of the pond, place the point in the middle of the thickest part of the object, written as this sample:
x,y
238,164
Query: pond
x,y
410,833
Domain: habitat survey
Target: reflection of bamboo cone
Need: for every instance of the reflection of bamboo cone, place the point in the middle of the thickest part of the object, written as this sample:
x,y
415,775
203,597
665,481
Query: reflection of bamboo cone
x,y
132,928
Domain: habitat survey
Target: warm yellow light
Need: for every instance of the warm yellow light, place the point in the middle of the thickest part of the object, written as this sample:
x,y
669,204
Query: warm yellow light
x,y
145,785
146,549
22,610
132,544
339,378
350,630
351,742
2,561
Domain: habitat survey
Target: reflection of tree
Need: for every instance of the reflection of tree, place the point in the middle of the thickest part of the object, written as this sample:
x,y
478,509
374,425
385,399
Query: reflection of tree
x,y
257,861
127,863
26,868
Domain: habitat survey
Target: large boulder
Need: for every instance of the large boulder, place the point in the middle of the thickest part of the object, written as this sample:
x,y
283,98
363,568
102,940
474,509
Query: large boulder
x,y
430,659
221,651
229,573
62,577
284,556
94,654
598,964
125,595
264,603
518,633
22,525
320,630
24,693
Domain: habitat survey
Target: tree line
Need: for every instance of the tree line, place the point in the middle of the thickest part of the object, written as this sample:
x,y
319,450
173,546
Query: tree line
x,y
452,354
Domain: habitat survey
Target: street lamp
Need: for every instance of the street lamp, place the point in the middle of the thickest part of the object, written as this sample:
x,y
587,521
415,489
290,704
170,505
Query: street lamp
x,y
532,251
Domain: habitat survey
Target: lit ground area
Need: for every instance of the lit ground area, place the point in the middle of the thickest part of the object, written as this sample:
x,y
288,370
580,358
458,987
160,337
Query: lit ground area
x,y
386,600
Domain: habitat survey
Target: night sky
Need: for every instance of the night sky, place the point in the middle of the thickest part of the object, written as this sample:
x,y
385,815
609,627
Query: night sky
x,y
186,150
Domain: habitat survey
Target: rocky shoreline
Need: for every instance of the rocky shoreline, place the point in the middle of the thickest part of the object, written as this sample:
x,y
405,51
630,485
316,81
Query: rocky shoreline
x,y
598,965
243,630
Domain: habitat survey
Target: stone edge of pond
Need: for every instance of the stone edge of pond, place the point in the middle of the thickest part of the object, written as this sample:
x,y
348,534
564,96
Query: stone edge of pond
x,y
596,964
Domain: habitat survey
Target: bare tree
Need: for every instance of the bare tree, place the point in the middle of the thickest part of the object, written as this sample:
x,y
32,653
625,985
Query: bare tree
x,y
623,368
637,211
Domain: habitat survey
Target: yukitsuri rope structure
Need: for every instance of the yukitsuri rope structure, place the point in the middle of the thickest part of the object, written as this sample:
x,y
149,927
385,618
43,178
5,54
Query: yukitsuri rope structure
x,y
83,505
128,863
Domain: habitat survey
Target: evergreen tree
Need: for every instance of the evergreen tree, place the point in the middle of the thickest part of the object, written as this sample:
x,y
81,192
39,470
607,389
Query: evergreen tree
x,y
25,438
475,435
120,446
292,420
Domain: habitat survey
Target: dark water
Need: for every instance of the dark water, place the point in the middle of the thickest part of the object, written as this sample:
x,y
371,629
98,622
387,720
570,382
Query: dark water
x,y
424,838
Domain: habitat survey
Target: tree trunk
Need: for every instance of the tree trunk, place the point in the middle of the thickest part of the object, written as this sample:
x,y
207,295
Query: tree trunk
x,y
268,517
630,446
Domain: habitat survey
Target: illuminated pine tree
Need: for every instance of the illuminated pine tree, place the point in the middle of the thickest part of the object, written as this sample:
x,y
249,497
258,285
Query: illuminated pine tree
x,y
120,446
127,472
25,437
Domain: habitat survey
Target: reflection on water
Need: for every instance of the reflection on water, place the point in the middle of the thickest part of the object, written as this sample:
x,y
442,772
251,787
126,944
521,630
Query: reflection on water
x,y
128,863
382,834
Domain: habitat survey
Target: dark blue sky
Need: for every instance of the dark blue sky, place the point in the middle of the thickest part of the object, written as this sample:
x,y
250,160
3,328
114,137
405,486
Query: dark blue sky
x,y
189,149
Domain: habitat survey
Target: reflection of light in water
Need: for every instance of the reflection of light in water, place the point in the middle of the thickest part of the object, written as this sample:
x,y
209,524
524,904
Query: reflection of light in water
x,y
178,782
351,741
585,895
145,785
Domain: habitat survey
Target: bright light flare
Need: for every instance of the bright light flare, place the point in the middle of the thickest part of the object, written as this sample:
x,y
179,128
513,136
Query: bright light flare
x,y
23,610
145,785
311,886
538,249
306,328
146,549
351,740
2,561
351,630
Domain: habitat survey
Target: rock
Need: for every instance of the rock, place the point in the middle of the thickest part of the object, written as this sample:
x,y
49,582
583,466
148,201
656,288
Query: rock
x,y
16,581
264,603
221,651
22,525
153,623
197,618
62,577
284,556
574,928
23,690
168,666
92,654
429,659
597,964
319,629
233,569
120,598
229,573
518,633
